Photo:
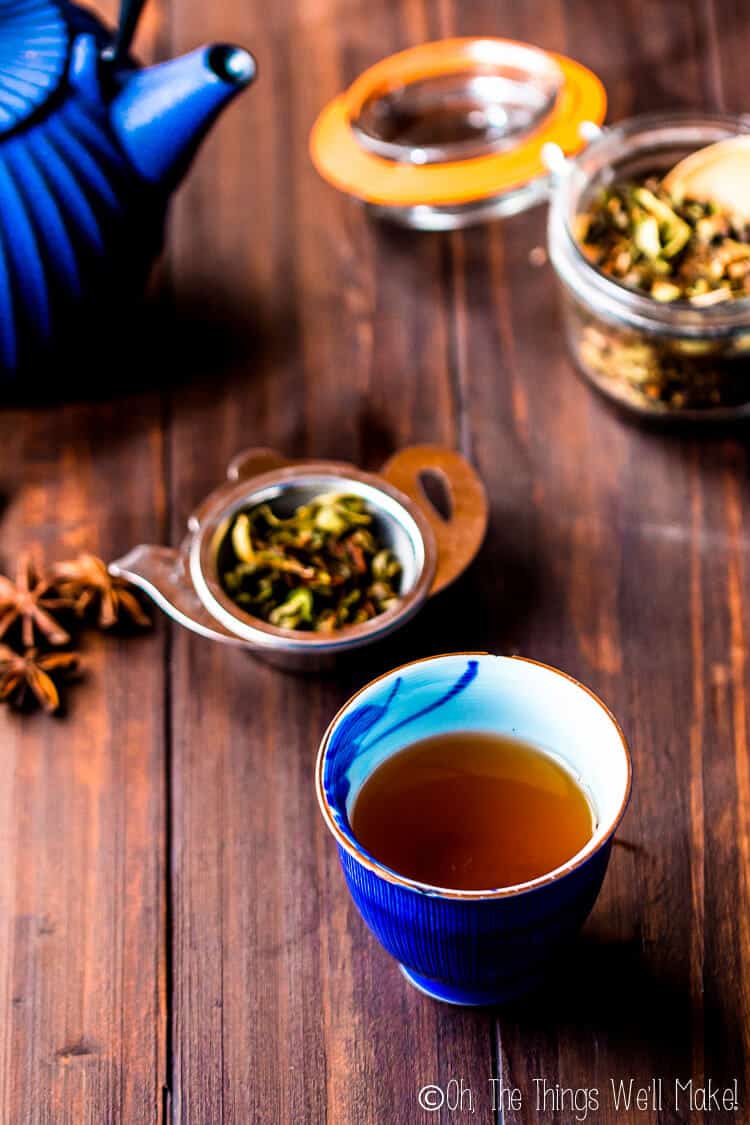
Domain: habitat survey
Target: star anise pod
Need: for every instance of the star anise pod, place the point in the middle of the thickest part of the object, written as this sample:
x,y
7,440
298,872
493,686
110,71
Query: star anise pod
x,y
32,674
29,601
85,584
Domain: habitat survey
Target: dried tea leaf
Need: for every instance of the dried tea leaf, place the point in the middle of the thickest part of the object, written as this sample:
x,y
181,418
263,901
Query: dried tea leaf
x,y
670,248
318,569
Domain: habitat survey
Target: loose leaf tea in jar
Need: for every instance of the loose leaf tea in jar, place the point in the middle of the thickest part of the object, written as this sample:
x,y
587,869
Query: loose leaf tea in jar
x,y
654,283
319,569
673,249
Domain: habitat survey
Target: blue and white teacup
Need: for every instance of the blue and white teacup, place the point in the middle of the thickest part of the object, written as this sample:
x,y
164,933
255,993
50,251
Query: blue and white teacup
x,y
475,947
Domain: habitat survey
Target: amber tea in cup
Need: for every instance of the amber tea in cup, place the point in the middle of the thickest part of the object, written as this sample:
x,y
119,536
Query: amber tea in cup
x,y
474,799
472,810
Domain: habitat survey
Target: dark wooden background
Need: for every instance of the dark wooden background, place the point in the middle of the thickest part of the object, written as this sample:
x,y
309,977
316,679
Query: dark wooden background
x,y
176,942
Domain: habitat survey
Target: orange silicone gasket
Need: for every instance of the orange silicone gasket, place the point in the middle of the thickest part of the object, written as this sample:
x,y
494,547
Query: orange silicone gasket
x,y
342,160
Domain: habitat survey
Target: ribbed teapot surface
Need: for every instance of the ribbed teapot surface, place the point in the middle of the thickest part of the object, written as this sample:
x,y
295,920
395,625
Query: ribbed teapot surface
x,y
34,42
88,157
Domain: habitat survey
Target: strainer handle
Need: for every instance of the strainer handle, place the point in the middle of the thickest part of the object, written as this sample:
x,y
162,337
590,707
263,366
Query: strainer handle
x,y
162,574
459,533
252,462
246,465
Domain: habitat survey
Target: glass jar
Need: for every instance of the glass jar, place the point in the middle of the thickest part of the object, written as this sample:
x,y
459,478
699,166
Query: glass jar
x,y
666,360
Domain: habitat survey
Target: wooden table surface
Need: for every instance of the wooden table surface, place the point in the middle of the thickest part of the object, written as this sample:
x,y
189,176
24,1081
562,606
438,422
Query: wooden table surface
x,y
176,939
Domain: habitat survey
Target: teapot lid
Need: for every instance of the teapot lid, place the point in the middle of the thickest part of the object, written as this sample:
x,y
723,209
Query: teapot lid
x,y
34,44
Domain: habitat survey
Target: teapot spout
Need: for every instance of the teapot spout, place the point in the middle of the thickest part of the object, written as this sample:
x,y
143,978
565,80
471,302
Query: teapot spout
x,y
161,114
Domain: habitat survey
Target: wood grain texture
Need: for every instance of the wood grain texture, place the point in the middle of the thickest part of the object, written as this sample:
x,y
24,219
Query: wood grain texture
x,y
284,1010
627,535
83,989
177,941
82,951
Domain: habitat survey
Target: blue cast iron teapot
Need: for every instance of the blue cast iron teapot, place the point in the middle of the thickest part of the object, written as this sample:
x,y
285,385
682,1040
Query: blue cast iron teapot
x,y
90,149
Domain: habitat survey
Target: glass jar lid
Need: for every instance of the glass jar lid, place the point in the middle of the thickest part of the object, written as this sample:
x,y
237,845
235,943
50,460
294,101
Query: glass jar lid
x,y
448,132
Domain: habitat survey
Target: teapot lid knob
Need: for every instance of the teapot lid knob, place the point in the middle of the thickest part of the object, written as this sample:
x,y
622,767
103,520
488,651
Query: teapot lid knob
x,y
34,46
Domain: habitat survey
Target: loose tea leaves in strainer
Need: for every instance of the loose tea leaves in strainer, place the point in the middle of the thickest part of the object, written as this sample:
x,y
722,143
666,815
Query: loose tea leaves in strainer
x,y
319,569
